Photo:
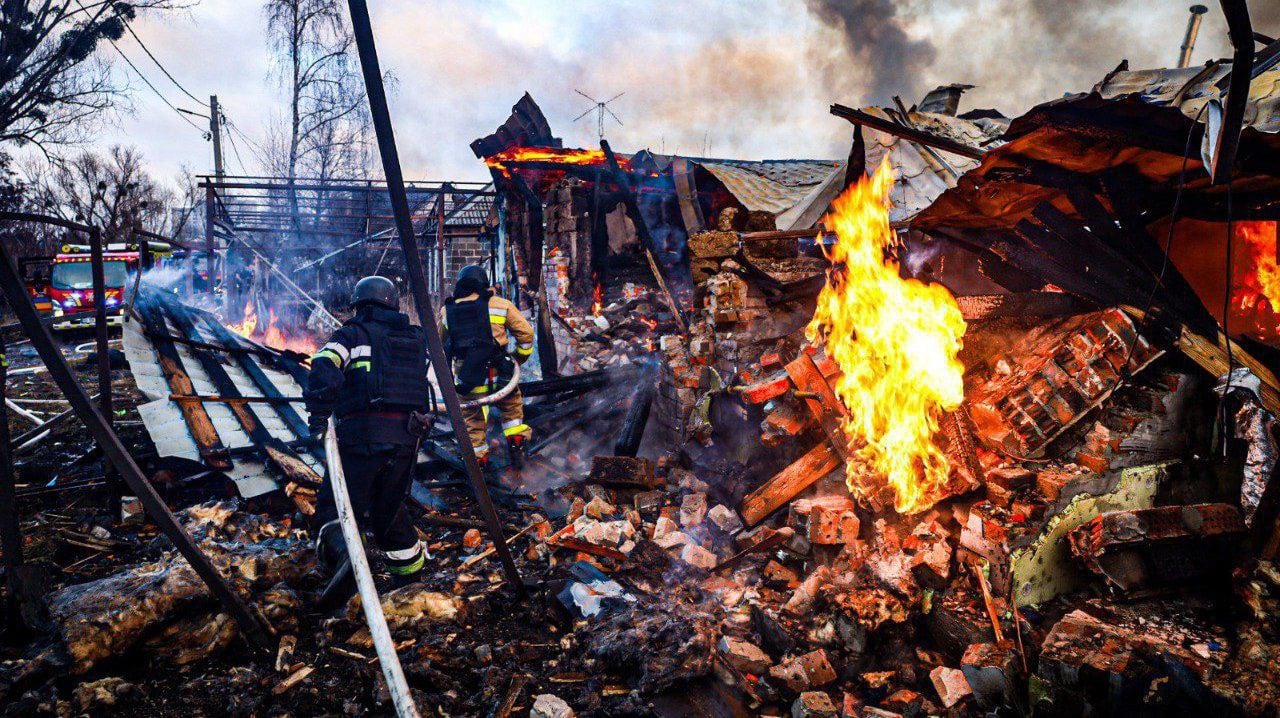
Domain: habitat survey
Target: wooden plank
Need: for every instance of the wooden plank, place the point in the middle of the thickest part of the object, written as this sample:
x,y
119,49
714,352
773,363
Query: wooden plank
x,y
212,451
821,400
212,366
800,475
1212,357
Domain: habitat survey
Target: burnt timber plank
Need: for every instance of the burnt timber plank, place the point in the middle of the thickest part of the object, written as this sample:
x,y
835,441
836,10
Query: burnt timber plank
x,y
258,434
821,400
786,484
212,451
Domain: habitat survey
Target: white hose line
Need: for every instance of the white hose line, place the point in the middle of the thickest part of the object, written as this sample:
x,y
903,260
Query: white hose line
x,y
488,399
32,441
42,401
22,412
369,599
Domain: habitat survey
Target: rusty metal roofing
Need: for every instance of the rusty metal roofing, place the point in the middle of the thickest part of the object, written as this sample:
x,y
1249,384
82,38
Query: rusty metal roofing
x,y
922,173
799,192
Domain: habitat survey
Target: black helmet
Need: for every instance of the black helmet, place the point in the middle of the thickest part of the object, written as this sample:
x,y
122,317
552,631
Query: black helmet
x,y
376,290
473,274
472,279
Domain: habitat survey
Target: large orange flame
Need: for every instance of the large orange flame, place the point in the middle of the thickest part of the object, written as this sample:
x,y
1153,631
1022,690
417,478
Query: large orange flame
x,y
896,341
249,324
1257,297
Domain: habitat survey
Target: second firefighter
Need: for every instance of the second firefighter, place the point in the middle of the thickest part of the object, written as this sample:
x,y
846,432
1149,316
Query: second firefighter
x,y
478,328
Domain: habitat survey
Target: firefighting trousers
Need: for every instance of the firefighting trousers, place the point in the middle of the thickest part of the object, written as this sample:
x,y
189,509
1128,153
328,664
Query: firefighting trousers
x,y
510,410
378,479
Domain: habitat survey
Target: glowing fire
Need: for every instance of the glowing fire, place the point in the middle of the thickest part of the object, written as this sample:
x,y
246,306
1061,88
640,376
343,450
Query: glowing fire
x,y
1258,295
249,324
597,297
271,334
896,341
550,155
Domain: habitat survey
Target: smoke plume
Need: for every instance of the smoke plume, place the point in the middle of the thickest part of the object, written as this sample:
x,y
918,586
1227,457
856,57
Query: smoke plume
x,y
878,39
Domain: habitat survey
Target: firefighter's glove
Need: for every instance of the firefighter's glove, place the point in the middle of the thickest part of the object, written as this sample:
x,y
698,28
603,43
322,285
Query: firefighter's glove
x,y
317,430
420,424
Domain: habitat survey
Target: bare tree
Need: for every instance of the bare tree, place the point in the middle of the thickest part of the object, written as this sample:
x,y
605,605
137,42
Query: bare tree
x,y
326,124
110,190
51,84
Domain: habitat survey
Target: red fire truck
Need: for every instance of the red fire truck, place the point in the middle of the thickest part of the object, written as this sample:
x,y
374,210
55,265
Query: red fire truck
x,y
71,280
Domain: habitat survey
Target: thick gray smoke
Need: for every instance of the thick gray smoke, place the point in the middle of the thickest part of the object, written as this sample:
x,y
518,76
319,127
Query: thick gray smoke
x,y
878,41
1018,52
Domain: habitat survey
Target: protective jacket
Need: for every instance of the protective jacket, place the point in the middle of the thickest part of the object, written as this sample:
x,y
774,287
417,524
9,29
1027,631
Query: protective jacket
x,y
477,335
370,375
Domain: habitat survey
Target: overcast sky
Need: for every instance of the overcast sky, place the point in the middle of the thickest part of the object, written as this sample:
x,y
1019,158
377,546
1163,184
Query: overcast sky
x,y
727,78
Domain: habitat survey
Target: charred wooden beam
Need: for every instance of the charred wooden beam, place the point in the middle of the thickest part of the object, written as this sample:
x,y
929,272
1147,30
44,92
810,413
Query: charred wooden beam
x,y
798,476
203,432
821,401
280,402
923,137
637,418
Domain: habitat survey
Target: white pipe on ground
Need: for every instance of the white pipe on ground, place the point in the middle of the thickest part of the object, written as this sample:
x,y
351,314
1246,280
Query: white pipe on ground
x,y
369,599
22,412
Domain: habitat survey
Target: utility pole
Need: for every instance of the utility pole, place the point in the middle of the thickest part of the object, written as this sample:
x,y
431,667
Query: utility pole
x,y
381,116
215,133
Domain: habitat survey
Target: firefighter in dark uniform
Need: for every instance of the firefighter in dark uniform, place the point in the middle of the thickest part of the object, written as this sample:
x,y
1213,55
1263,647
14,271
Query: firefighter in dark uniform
x,y
371,376
478,326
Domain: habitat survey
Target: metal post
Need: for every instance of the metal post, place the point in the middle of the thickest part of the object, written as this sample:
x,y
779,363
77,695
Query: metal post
x,y
1193,30
418,280
10,533
210,208
104,359
1240,29
14,290
440,270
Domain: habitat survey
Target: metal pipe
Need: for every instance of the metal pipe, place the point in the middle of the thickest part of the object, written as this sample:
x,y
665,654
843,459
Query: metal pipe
x,y
369,599
381,115
1193,29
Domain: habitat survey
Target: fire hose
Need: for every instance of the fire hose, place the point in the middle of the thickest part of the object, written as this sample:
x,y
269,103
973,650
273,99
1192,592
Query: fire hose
x,y
369,598
487,399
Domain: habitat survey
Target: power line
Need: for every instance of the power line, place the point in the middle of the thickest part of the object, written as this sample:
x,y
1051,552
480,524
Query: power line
x,y
231,137
163,99
166,72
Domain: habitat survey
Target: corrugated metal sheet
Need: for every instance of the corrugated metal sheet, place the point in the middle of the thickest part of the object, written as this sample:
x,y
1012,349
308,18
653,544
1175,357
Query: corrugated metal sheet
x,y
771,185
164,421
1190,88
921,173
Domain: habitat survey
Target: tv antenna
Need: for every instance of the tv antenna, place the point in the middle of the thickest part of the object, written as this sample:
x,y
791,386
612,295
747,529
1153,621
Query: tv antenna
x,y
600,108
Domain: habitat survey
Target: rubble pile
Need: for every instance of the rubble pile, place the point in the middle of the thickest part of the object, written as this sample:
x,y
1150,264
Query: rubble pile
x,y
616,333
